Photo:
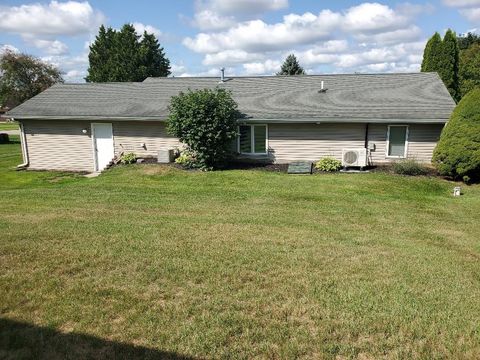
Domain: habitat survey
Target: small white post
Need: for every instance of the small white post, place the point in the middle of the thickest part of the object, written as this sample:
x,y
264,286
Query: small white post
x,y
457,191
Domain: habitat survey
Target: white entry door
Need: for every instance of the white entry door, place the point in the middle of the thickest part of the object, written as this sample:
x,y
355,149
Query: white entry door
x,y
102,145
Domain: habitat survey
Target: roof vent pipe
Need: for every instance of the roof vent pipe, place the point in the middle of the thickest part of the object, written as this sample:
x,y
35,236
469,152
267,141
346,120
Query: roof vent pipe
x,y
322,85
222,77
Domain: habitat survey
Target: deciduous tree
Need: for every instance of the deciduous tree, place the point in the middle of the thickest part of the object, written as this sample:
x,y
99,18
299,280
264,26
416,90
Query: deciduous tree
x,y
23,76
469,69
206,122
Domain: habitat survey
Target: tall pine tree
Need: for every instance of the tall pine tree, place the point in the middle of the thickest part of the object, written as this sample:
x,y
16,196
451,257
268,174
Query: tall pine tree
x,y
125,56
431,54
154,62
101,56
291,66
443,57
449,63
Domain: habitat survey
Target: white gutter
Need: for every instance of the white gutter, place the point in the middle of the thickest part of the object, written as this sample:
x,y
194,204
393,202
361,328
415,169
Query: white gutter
x,y
254,119
23,141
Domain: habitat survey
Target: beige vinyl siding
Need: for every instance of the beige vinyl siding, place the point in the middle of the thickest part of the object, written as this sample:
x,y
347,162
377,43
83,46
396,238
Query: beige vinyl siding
x,y
290,142
129,137
422,139
59,145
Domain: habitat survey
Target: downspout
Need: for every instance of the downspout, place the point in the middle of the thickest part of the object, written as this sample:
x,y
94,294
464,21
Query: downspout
x,y
366,144
23,141
366,136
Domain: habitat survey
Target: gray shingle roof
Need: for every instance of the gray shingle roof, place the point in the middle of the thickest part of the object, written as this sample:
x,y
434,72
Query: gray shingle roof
x,y
376,97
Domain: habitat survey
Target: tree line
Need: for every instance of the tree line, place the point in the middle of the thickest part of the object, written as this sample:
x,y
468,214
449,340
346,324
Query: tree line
x,y
456,60
124,55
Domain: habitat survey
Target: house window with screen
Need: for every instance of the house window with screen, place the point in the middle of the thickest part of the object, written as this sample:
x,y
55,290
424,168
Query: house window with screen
x,y
397,141
252,139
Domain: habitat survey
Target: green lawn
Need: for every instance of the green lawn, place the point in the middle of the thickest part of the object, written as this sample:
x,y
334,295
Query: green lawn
x,y
8,126
148,261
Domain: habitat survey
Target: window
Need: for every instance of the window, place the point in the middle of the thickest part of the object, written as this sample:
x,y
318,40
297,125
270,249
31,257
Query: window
x,y
252,139
397,141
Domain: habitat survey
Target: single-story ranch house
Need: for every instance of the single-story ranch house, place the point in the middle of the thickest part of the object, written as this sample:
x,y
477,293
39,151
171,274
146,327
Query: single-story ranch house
x,y
81,127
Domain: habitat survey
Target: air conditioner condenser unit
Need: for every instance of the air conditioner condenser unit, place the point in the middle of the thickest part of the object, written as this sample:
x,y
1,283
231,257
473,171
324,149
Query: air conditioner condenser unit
x,y
355,157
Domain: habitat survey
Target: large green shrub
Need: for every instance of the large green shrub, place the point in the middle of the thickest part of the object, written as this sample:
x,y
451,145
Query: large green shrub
x,y
206,122
458,152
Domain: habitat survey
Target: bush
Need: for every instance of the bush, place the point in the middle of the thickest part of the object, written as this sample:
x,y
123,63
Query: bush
x,y
328,164
458,152
185,159
206,122
128,158
409,167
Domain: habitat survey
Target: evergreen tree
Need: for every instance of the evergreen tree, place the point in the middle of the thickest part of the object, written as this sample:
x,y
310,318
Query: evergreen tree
x,y
449,59
123,56
101,56
127,57
431,54
443,57
291,66
154,62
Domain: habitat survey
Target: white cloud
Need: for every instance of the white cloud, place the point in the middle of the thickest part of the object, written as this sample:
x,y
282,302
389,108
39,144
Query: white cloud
x,y
269,67
462,3
410,53
141,28
470,9
75,75
366,37
55,18
210,20
177,69
230,57
72,67
234,7
209,73
410,33
257,35
373,18
50,47
473,15
221,14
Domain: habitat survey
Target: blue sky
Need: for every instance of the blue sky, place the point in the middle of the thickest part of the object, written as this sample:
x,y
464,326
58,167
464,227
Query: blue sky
x,y
248,37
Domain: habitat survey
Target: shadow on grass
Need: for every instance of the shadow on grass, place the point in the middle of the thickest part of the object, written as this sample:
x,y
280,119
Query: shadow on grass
x,y
25,341
10,142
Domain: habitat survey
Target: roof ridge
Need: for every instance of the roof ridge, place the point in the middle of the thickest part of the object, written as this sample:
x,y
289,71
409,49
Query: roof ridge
x,y
290,76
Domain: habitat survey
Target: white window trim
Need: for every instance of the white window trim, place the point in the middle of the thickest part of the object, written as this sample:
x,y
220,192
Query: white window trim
x,y
252,140
388,143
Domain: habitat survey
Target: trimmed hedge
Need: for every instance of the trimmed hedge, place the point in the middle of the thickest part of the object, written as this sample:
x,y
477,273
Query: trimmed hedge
x,y
458,152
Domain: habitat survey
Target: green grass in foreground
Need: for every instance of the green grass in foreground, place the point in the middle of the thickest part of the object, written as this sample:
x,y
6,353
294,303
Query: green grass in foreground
x,y
8,126
150,261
